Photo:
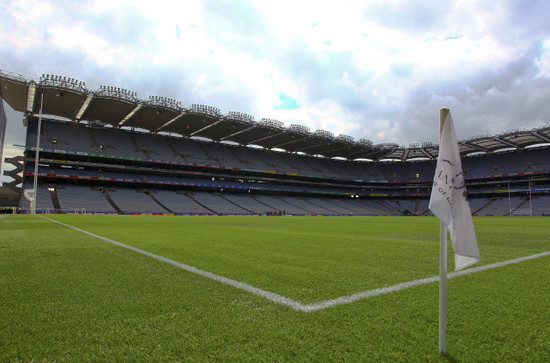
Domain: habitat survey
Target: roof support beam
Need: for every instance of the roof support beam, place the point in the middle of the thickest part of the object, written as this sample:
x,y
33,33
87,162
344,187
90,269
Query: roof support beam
x,y
540,136
386,154
509,143
238,132
309,147
281,146
265,137
358,154
205,127
31,96
338,147
477,147
170,122
84,107
425,152
128,116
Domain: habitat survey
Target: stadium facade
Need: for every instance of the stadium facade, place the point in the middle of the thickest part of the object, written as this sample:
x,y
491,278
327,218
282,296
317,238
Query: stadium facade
x,y
107,151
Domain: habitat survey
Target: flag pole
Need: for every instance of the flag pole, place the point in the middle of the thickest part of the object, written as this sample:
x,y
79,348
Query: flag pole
x,y
442,288
442,261
37,159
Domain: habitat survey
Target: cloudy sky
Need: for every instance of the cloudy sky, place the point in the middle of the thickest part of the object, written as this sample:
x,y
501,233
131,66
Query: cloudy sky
x,y
379,70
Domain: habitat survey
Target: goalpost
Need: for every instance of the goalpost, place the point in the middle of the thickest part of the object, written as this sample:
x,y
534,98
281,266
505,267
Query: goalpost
x,y
523,211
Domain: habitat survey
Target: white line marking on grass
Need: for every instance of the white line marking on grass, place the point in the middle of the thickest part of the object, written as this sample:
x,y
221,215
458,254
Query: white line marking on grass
x,y
405,285
279,299
296,305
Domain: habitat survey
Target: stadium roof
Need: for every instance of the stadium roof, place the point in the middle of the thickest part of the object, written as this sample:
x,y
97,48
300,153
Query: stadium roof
x,y
69,98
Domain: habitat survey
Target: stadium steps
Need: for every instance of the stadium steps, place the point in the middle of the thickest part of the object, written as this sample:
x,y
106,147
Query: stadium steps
x,y
352,208
111,201
177,154
401,210
418,211
484,206
138,149
267,205
393,206
209,155
171,147
158,202
315,203
55,199
519,206
525,164
385,207
92,137
44,133
235,204
135,144
190,196
494,167
299,207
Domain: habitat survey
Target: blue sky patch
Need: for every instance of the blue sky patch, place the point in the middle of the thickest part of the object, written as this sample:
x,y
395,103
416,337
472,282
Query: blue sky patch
x,y
287,103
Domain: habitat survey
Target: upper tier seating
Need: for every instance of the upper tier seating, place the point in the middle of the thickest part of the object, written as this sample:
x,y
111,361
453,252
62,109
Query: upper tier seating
x,y
73,137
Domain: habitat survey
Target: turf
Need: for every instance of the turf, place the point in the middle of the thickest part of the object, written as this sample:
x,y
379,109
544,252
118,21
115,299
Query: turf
x,y
68,296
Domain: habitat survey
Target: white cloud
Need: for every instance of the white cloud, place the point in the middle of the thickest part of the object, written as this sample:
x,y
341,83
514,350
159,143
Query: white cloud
x,y
543,60
371,69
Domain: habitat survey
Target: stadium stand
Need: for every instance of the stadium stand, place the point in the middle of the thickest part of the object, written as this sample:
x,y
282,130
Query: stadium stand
x,y
82,199
130,200
43,200
109,152
540,205
180,202
130,169
218,204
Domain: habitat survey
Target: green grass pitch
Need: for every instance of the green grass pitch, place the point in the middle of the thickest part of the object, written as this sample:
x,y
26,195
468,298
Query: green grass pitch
x,y
65,295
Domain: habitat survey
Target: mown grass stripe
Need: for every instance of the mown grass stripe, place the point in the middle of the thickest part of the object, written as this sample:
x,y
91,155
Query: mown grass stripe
x,y
406,285
296,305
279,299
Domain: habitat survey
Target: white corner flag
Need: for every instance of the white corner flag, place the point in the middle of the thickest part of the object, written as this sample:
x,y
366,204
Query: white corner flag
x,y
448,199
448,203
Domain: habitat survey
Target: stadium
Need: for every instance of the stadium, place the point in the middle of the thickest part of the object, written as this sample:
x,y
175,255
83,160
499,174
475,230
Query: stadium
x,y
107,151
152,236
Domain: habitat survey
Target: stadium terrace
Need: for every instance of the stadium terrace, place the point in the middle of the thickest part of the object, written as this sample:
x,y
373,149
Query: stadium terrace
x,y
108,151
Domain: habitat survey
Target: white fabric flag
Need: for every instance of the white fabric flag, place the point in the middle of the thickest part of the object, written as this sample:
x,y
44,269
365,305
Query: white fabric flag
x,y
448,199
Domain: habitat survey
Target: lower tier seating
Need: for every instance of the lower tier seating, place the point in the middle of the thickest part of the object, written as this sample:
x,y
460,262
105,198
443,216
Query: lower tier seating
x,y
70,198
